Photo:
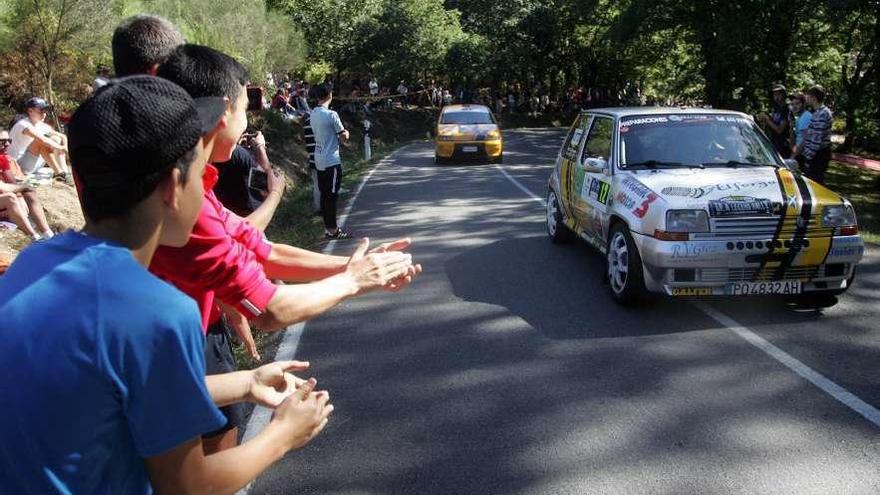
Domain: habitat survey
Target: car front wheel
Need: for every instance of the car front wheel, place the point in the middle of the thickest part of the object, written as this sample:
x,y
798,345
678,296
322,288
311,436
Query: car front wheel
x,y
556,228
625,276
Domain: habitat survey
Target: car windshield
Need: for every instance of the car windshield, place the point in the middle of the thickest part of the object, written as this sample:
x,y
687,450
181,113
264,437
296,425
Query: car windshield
x,y
467,118
703,140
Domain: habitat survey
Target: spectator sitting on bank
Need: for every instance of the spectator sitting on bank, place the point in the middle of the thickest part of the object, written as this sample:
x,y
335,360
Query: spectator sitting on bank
x,y
35,142
816,146
19,201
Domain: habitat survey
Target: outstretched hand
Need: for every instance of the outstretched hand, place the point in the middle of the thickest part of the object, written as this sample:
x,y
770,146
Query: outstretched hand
x,y
379,268
413,271
272,383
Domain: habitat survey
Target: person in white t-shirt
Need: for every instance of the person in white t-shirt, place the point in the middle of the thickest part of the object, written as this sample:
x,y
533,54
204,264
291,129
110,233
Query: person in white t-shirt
x,y
374,87
328,131
34,142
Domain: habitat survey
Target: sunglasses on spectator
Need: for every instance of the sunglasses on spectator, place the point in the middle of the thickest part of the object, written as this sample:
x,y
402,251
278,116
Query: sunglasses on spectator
x,y
5,141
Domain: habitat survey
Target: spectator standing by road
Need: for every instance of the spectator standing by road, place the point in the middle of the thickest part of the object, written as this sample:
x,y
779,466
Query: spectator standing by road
x,y
402,90
228,260
802,118
328,130
141,43
374,87
309,140
816,146
778,123
35,142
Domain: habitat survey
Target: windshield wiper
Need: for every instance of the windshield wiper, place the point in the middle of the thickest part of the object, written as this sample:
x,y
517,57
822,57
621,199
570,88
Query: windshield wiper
x,y
736,163
654,164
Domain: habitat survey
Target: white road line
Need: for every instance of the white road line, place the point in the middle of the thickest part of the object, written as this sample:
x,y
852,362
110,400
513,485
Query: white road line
x,y
839,393
521,187
287,349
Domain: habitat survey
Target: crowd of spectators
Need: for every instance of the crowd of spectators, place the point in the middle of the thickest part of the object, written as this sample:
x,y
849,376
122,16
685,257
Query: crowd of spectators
x,y
133,387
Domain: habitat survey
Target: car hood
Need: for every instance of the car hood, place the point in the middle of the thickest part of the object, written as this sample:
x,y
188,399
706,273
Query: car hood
x,y
701,188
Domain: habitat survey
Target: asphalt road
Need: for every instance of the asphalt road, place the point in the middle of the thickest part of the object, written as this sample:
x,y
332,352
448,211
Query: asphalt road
x,y
506,368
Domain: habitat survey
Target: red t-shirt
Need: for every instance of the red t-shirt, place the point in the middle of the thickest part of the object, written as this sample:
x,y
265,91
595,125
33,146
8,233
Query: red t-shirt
x,y
5,165
223,260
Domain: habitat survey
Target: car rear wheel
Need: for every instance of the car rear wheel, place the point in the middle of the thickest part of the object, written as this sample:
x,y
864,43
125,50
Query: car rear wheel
x,y
556,228
625,276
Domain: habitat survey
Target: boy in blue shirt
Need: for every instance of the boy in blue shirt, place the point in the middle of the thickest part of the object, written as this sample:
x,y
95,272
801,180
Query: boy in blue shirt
x,y
108,394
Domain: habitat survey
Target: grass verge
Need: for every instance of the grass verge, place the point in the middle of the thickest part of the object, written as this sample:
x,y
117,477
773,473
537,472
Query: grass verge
x,y
862,188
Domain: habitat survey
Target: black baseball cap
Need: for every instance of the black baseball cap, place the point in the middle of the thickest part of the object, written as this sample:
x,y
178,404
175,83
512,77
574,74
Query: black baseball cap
x,y
135,127
37,102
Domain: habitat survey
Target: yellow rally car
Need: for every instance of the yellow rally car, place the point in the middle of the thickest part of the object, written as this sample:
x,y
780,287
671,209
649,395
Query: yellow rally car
x,y
468,131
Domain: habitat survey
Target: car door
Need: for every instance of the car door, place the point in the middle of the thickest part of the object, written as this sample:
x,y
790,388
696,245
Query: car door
x,y
571,176
595,164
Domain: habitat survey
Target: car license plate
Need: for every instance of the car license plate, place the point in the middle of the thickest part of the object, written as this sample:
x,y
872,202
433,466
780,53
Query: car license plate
x,y
469,149
763,288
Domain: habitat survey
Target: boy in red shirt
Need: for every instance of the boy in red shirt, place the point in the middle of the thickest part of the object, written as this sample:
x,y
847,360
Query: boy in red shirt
x,y
227,260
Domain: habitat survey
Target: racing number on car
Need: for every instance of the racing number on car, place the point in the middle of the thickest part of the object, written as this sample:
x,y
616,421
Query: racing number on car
x,y
641,211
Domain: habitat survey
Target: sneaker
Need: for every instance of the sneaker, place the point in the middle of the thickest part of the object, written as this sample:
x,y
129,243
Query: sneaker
x,y
338,235
63,177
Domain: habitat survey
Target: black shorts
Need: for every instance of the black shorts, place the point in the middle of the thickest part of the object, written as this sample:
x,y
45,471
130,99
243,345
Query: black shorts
x,y
220,359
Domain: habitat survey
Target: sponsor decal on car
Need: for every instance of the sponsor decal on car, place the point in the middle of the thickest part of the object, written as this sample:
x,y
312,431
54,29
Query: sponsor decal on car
x,y
699,192
632,185
624,200
643,121
694,250
642,210
692,291
599,191
740,205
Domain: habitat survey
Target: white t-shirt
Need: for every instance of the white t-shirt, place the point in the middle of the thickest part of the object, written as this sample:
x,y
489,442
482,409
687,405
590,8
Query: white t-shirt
x,y
374,88
20,140
326,127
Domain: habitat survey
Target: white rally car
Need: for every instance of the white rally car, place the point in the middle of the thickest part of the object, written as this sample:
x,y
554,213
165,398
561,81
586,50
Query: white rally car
x,y
696,202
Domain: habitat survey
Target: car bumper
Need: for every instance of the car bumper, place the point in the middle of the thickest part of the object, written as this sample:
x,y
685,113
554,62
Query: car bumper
x,y
465,149
714,267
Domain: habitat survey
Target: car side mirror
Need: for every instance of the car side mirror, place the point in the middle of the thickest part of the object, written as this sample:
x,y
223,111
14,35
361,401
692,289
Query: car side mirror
x,y
595,165
791,164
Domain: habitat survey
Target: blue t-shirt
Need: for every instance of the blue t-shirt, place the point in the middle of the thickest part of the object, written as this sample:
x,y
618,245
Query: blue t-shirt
x,y
103,365
803,122
326,126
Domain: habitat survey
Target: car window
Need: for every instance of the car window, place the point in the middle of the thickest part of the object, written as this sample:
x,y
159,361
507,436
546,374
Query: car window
x,y
467,118
599,140
575,137
693,140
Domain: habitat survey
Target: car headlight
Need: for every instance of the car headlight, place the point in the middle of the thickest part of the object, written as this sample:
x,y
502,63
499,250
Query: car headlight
x,y
493,135
838,216
687,221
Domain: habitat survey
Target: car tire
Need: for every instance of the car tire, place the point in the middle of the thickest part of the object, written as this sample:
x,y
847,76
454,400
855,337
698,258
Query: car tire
x,y
556,228
626,279
438,160
498,160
